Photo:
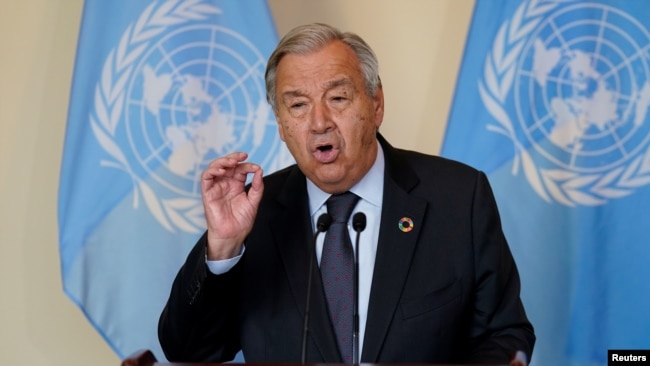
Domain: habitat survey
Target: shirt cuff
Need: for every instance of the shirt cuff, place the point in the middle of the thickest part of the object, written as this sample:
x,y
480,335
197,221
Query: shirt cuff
x,y
222,266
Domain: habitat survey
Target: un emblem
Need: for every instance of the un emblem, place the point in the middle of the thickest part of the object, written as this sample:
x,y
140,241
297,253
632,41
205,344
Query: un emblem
x,y
176,92
569,84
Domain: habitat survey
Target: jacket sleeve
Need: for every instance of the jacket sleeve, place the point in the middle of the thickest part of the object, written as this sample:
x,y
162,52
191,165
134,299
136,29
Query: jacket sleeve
x,y
199,321
500,326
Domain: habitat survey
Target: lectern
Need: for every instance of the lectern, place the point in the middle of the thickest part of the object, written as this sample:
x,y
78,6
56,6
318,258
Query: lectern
x,y
146,358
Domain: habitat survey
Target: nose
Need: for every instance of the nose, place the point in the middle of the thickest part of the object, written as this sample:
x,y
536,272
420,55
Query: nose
x,y
321,119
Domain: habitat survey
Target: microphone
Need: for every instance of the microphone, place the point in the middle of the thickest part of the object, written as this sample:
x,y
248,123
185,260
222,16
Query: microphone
x,y
358,224
322,224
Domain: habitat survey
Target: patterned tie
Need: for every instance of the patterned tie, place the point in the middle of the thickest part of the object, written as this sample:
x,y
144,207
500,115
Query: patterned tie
x,y
336,266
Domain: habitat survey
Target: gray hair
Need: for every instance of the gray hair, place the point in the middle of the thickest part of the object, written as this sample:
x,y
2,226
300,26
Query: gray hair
x,y
309,38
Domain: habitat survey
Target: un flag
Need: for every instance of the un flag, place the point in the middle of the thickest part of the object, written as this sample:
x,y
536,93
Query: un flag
x,y
552,102
160,88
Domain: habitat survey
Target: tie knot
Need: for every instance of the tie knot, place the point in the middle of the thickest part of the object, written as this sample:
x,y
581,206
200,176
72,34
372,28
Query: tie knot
x,y
340,206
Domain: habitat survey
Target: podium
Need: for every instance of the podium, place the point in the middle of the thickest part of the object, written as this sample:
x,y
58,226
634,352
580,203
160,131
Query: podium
x,y
147,358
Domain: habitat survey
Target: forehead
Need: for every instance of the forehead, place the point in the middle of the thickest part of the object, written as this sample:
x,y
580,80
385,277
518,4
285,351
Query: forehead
x,y
326,66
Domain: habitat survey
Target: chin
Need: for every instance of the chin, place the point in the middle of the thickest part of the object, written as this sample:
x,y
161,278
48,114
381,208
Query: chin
x,y
328,183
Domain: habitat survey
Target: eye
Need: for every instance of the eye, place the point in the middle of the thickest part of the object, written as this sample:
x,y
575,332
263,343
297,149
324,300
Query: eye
x,y
297,108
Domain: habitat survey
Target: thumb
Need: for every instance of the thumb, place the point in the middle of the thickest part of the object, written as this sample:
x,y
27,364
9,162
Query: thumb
x,y
257,188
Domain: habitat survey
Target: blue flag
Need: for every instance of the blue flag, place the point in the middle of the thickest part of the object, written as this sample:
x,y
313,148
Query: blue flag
x,y
552,103
160,89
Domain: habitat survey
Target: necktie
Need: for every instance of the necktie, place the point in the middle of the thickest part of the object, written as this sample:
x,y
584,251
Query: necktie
x,y
337,263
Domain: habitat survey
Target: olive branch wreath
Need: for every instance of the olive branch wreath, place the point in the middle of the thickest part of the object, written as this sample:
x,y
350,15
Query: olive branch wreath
x,y
185,214
564,186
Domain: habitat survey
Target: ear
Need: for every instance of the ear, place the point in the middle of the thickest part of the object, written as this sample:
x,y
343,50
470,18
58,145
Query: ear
x,y
378,101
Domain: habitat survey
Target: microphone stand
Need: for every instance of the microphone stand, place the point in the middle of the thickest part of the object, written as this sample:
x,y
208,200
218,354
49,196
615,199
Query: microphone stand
x,y
322,224
358,224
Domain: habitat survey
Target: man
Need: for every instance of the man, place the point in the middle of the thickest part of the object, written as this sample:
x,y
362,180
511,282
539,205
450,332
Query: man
x,y
437,282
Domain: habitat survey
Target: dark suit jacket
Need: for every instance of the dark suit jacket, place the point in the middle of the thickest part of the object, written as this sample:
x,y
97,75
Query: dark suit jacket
x,y
447,291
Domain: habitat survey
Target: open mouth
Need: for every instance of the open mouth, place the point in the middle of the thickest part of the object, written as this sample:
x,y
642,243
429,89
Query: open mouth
x,y
326,153
325,148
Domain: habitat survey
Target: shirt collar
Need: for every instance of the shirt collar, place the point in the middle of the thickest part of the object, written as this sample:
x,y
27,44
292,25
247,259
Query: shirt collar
x,y
370,188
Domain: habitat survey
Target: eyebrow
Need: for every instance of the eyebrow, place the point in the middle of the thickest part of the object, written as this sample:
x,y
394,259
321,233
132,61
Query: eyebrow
x,y
292,94
344,81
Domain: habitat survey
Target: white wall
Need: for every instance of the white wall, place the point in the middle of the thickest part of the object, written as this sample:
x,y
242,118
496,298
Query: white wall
x,y
419,44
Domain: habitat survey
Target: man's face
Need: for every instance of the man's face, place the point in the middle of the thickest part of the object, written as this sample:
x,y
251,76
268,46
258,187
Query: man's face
x,y
325,116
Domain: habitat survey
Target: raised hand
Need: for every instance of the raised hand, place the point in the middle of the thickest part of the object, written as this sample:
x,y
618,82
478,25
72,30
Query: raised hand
x,y
229,210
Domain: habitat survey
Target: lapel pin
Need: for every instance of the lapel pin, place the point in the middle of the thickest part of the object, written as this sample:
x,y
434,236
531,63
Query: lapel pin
x,y
405,224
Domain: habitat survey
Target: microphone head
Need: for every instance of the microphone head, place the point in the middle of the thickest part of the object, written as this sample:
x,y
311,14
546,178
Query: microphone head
x,y
324,221
359,222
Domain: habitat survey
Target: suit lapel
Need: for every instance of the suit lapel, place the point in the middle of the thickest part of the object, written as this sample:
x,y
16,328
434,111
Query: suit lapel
x,y
394,250
292,231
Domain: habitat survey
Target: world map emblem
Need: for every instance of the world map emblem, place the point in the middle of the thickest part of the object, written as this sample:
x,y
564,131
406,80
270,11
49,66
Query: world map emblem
x,y
175,93
568,82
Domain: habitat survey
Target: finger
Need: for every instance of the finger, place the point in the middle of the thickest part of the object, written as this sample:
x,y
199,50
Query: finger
x,y
223,166
237,155
257,188
242,170
228,161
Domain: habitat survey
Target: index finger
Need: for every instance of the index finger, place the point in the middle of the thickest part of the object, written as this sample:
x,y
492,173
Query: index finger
x,y
231,165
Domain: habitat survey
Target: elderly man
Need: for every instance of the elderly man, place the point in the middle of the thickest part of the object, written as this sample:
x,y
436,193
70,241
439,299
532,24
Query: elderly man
x,y
436,280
